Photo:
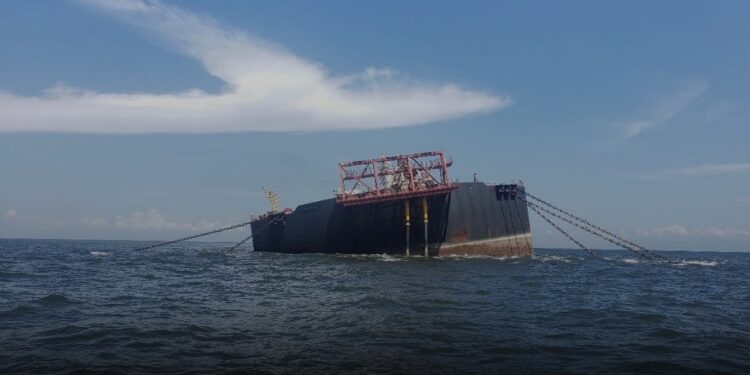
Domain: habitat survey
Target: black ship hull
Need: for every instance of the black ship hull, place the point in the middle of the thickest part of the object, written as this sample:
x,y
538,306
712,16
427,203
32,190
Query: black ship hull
x,y
473,219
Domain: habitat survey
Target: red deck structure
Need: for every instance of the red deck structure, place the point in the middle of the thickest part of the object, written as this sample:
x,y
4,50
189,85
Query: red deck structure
x,y
393,178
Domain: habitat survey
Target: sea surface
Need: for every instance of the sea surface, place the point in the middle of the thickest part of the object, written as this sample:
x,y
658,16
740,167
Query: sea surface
x,y
101,306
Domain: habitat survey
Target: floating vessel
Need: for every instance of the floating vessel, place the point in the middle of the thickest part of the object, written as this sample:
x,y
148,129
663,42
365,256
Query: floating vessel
x,y
405,205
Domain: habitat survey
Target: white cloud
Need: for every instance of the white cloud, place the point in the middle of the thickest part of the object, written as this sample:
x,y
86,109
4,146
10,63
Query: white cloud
x,y
681,231
267,88
11,213
151,220
666,109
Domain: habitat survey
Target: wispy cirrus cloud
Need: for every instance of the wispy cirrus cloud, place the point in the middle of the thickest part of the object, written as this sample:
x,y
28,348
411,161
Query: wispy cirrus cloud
x,y
267,88
665,110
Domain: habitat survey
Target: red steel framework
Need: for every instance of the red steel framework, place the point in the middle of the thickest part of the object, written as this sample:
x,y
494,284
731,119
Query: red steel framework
x,y
394,177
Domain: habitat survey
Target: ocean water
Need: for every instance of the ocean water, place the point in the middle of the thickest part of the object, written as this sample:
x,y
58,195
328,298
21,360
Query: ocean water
x,y
100,306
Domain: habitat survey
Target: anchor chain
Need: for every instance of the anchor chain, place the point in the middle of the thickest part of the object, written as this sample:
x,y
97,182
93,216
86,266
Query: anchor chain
x,y
586,222
587,229
266,225
238,244
160,244
591,252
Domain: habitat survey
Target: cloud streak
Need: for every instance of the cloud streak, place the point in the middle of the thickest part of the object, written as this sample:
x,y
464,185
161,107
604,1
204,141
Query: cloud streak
x,y
725,169
151,220
267,88
666,109
681,231
712,169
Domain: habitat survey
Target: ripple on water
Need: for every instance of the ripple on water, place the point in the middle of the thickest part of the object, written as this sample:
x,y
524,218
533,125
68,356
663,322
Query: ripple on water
x,y
55,299
667,333
651,318
19,311
11,275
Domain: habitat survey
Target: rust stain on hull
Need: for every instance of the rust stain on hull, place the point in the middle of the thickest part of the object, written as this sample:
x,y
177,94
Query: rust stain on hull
x,y
519,245
460,236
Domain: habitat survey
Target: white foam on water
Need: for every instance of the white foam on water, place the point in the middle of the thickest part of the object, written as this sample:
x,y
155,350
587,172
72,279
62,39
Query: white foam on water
x,y
470,257
554,258
512,257
388,258
377,257
363,256
630,260
705,263
99,253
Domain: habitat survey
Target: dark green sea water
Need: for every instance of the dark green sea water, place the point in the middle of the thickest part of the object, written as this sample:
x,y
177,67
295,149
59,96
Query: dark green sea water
x,y
100,306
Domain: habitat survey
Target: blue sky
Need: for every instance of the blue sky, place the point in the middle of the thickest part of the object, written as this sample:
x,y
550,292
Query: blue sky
x,y
151,120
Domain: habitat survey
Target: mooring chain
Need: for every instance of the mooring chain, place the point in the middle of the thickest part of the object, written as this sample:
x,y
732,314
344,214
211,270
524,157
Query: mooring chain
x,y
611,240
586,222
238,244
582,220
617,243
194,236
160,244
564,232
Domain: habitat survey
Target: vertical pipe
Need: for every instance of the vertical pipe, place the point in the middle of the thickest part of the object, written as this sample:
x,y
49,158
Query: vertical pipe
x,y
377,177
342,185
408,225
426,220
444,169
410,173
